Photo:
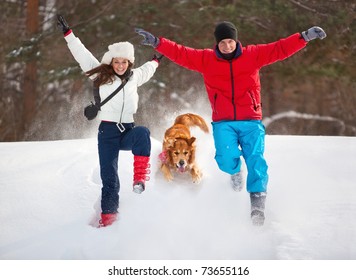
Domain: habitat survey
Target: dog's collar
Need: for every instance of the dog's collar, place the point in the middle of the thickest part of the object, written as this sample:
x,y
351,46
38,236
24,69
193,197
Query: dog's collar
x,y
163,157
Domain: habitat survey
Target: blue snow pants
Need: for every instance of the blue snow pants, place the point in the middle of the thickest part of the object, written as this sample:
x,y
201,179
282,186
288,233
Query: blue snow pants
x,y
110,141
234,139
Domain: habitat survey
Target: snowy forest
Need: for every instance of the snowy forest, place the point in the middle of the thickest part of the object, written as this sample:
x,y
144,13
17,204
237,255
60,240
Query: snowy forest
x,y
43,91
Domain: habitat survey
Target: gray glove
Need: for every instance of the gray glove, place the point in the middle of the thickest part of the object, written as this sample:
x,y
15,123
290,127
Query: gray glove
x,y
149,39
313,33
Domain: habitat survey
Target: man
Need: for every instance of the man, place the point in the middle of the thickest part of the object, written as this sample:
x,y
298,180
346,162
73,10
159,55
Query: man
x,y
231,77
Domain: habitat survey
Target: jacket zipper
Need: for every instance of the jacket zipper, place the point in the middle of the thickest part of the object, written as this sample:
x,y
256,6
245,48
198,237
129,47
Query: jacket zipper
x,y
123,94
232,89
254,102
119,125
123,103
215,97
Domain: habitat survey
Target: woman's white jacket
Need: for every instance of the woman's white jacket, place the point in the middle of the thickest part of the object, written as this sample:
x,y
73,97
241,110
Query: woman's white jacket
x,y
123,105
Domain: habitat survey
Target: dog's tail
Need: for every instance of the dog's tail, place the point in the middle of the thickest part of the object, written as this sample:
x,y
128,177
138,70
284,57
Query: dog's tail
x,y
192,120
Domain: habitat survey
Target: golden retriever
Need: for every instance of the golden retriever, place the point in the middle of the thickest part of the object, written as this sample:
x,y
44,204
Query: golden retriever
x,y
178,148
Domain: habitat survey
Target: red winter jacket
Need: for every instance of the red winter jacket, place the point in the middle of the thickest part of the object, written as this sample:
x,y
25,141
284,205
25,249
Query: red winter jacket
x,y
233,86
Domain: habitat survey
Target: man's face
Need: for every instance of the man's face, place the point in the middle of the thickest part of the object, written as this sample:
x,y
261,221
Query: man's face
x,y
227,46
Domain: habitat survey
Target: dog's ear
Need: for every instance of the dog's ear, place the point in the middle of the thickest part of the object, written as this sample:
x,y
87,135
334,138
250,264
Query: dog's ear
x,y
191,141
169,142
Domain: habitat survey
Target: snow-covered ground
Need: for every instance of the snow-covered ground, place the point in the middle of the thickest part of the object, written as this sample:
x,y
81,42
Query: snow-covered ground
x,y
49,192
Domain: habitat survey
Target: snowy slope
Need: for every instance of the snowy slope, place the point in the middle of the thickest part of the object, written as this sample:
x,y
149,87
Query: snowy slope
x,y
49,192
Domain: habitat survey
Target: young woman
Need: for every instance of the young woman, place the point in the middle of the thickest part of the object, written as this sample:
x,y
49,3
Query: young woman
x,y
231,77
117,130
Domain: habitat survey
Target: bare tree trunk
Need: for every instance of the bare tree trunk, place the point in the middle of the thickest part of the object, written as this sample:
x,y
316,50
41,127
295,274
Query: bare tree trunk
x,y
30,78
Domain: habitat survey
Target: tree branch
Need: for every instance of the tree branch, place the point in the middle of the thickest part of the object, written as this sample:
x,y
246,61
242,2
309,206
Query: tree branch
x,y
307,8
105,8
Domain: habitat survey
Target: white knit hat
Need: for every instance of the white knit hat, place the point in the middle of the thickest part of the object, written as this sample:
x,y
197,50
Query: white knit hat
x,y
122,49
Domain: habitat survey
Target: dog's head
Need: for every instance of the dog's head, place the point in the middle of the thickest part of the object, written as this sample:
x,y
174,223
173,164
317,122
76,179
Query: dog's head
x,y
180,152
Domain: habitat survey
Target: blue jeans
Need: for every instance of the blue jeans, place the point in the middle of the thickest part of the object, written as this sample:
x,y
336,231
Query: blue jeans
x,y
110,141
234,139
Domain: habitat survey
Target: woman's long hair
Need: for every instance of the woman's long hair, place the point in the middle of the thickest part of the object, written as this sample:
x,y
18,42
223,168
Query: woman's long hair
x,y
105,74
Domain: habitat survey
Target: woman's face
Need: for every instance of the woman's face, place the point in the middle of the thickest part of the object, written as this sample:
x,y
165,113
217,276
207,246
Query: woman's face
x,y
120,65
227,46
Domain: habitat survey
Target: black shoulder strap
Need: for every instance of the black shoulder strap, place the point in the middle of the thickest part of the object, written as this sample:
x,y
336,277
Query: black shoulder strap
x,y
116,91
96,96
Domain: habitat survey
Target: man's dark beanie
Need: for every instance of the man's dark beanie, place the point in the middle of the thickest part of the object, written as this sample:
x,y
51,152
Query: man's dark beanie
x,y
225,30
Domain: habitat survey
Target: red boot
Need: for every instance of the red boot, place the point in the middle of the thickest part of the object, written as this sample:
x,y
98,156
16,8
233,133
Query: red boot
x,y
107,219
141,169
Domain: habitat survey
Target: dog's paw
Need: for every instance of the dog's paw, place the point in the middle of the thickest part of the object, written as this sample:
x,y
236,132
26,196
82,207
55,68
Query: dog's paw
x,y
169,177
197,175
197,179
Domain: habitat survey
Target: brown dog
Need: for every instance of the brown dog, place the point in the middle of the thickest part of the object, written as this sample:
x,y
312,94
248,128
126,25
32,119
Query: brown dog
x,y
178,149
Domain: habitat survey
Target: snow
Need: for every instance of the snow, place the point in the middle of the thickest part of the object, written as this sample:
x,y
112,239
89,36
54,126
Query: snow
x,y
50,192
293,114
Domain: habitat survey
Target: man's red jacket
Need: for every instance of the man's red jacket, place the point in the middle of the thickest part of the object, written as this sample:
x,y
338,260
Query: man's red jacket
x,y
233,86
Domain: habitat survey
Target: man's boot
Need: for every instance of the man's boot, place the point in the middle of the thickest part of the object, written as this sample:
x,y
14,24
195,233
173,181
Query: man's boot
x,y
258,200
237,181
